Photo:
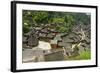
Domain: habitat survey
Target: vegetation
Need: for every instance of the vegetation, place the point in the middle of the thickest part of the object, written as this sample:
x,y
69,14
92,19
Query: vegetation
x,y
85,55
60,21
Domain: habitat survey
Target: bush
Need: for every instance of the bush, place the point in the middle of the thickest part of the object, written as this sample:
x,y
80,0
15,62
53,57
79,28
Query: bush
x,y
85,55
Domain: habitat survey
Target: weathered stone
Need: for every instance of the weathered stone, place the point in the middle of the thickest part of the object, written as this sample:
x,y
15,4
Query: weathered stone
x,y
53,44
33,38
44,31
76,28
24,39
66,39
55,56
38,28
42,35
51,36
27,55
60,44
67,51
27,34
33,41
58,37
75,51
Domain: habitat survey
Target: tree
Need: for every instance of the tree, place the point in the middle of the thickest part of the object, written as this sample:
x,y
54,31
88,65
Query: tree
x,y
60,21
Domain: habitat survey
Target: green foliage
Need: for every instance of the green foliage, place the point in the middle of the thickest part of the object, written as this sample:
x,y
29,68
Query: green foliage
x,y
58,21
62,21
40,17
63,29
82,18
85,55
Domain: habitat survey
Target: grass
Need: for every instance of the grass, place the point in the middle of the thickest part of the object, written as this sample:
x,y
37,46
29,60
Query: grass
x,y
85,55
